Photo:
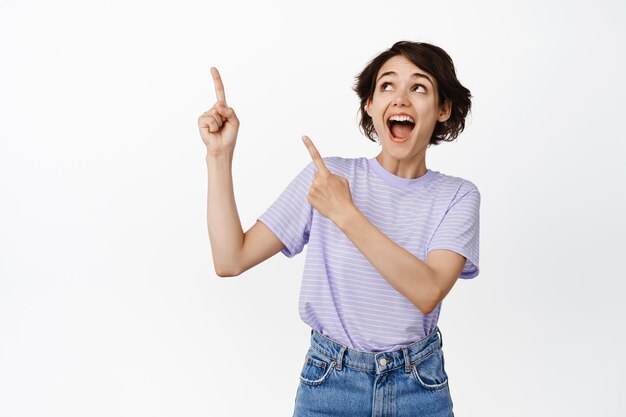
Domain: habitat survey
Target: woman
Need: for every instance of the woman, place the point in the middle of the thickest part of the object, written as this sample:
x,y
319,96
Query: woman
x,y
387,239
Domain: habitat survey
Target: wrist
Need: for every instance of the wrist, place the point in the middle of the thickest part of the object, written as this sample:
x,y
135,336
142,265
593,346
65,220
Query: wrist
x,y
219,158
346,217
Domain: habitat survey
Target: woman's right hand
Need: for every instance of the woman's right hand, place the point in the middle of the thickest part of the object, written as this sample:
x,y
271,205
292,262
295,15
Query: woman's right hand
x,y
219,125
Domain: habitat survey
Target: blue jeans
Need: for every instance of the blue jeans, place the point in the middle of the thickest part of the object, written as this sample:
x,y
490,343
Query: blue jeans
x,y
340,381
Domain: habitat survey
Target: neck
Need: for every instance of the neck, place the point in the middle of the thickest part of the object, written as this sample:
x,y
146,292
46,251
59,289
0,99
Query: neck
x,y
404,168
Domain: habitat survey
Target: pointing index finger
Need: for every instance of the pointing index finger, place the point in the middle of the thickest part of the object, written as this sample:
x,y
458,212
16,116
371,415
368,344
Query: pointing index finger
x,y
219,87
317,159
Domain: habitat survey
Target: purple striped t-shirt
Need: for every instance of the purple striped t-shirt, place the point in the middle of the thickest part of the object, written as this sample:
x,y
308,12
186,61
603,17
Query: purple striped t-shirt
x,y
342,295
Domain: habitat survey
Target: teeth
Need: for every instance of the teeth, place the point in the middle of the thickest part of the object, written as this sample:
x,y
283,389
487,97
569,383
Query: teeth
x,y
402,118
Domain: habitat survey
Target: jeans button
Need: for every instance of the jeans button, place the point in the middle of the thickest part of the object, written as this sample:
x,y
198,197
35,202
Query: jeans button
x,y
382,361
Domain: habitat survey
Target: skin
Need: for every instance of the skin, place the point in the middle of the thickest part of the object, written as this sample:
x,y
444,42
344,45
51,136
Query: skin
x,y
424,283
416,96
219,125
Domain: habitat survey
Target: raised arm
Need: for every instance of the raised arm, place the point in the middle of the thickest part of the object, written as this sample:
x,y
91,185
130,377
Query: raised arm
x,y
233,251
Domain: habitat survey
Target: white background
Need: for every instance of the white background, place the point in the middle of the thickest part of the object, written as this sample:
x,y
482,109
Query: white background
x,y
109,303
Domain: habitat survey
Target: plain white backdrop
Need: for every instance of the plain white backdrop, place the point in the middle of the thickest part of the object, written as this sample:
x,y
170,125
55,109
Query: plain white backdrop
x,y
109,303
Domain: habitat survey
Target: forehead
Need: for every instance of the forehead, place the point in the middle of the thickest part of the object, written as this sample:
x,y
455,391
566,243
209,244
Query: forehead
x,y
403,67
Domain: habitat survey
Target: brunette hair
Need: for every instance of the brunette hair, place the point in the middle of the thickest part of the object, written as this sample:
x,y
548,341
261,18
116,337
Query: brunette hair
x,y
433,60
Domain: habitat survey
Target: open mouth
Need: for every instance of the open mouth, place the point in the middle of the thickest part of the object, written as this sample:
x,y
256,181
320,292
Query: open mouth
x,y
400,129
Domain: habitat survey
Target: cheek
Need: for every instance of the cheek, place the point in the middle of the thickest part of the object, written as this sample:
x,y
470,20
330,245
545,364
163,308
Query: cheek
x,y
377,119
376,110
425,110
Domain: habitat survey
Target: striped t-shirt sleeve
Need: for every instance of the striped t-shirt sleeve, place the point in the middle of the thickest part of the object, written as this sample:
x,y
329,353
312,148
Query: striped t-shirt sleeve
x,y
459,230
289,217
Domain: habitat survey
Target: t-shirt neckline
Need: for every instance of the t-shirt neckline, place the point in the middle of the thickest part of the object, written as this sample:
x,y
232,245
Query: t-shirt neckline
x,y
396,180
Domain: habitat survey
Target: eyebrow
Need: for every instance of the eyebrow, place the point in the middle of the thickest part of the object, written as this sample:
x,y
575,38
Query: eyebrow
x,y
417,74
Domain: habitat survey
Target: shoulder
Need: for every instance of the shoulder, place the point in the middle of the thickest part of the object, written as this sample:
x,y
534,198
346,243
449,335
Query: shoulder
x,y
341,165
454,190
462,186
335,164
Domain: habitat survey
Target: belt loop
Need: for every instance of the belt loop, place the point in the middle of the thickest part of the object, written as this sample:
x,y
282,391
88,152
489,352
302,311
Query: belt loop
x,y
340,358
407,359
440,336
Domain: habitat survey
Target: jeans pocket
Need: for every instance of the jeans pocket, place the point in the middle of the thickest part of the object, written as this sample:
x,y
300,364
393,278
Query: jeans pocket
x,y
430,371
316,368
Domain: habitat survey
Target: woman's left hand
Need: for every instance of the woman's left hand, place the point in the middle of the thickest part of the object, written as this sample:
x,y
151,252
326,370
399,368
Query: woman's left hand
x,y
330,194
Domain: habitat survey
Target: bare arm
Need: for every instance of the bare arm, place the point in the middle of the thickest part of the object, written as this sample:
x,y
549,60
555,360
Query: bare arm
x,y
259,244
225,232
425,284
233,251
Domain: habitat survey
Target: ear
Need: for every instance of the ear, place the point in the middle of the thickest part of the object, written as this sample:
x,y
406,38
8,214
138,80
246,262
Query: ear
x,y
445,111
367,106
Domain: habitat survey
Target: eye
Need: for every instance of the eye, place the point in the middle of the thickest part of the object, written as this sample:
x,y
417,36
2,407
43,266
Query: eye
x,y
383,85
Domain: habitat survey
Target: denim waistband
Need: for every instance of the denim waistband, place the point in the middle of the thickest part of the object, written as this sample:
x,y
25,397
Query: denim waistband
x,y
376,361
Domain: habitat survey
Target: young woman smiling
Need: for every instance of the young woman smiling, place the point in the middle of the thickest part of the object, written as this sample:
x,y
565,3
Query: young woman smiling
x,y
387,239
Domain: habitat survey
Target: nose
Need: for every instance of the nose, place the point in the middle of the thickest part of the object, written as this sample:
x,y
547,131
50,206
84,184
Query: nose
x,y
400,98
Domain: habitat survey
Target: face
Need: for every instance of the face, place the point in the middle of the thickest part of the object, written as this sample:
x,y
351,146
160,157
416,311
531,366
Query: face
x,y
412,101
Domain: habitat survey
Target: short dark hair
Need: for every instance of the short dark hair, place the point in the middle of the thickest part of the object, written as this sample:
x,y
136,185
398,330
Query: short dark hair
x,y
433,60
